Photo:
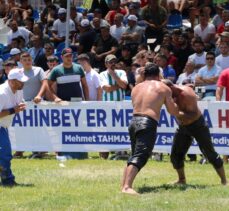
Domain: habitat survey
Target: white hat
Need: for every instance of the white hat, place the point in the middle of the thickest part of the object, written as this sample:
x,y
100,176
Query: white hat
x,y
84,23
17,74
132,18
227,24
62,11
14,51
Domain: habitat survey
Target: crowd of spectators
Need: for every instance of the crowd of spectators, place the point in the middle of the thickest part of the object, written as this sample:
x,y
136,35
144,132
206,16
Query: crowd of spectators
x,y
110,43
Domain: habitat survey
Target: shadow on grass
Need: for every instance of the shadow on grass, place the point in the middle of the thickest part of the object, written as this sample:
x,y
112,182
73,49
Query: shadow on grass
x,y
165,187
19,185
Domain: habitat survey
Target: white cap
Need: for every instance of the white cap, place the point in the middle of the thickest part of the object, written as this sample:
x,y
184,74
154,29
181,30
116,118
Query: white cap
x,y
84,23
62,11
227,24
136,1
132,18
17,74
14,51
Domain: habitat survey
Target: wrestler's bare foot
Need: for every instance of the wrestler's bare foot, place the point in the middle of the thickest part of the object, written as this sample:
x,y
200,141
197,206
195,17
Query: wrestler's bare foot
x,y
180,182
130,191
224,183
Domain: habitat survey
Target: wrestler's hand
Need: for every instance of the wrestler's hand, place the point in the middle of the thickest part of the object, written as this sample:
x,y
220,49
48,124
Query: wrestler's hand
x,y
20,107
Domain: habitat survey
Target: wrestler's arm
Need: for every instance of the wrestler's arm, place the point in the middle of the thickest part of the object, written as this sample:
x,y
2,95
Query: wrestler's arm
x,y
170,105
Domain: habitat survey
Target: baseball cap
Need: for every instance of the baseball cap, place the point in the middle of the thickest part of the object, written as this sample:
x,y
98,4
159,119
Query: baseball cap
x,y
17,74
227,23
83,56
66,51
224,34
84,23
62,11
110,57
132,18
97,10
14,51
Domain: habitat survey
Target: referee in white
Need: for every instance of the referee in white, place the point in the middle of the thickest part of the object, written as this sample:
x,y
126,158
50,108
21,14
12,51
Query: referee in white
x,y
11,98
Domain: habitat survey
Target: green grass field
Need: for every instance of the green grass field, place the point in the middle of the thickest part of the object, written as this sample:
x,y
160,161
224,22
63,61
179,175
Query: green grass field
x,y
94,184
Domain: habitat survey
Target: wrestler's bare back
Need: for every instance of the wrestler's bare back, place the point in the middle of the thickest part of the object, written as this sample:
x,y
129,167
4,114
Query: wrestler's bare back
x,y
149,96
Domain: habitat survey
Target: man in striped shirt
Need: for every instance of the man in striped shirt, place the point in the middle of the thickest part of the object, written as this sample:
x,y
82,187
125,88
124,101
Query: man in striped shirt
x,y
113,82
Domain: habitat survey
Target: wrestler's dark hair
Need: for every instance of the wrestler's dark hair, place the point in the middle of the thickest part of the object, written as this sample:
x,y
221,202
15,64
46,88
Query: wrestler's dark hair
x,y
151,69
167,82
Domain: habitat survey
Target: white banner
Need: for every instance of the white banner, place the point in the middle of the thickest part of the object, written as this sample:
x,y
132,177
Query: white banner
x,y
102,126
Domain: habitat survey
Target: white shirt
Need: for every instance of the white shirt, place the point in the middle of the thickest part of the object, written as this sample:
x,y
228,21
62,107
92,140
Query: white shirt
x,y
117,32
222,61
209,29
8,100
22,31
93,83
198,59
60,27
182,77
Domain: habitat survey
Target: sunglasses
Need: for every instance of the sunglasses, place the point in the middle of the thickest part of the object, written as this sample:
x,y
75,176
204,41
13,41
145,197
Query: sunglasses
x,y
9,65
48,48
210,58
112,62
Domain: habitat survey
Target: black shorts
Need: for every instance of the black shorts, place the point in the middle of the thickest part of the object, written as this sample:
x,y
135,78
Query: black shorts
x,y
143,133
183,140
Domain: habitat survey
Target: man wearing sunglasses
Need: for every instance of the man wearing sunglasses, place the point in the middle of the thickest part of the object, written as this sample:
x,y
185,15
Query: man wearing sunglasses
x,y
208,75
113,82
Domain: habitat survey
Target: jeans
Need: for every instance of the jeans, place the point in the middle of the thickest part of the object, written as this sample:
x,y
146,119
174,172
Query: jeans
x,y
7,176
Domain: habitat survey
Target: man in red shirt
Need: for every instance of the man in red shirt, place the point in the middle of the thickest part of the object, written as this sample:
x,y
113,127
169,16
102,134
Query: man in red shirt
x,y
115,8
223,82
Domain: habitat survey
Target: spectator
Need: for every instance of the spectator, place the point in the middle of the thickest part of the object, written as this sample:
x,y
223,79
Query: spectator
x,y
59,27
126,56
24,11
69,78
225,18
41,59
199,57
104,45
172,60
3,76
115,8
118,28
208,75
205,30
15,54
38,30
188,75
113,83
92,78
45,14
34,89
223,84
75,16
132,35
155,17
168,72
37,50
9,65
86,38
52,61
217,19
18,31
223,59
